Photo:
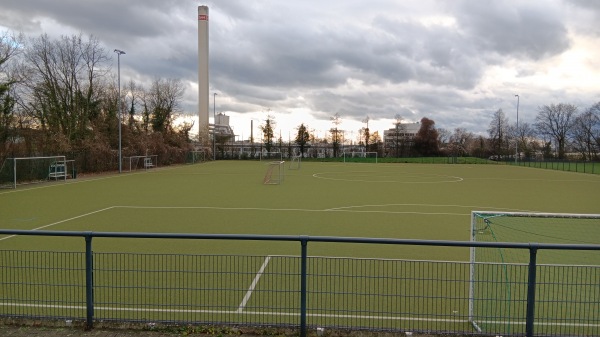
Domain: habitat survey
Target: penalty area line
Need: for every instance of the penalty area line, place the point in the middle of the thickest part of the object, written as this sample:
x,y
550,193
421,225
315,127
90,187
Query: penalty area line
x,y
62,221
253,284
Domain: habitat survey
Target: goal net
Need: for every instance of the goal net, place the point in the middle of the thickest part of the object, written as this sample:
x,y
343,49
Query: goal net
x,y
498,276
135,163
275,173
27,170
360,157
295,163
268,156
195,157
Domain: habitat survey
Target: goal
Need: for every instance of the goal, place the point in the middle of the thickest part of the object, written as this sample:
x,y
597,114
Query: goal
x,y
275,173
362,157
295,163
195,157
268,156
498,276
27,170
135,163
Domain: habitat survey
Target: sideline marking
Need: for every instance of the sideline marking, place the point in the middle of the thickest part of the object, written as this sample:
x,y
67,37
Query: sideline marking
x,y
340,209
253,285
61,221
274,313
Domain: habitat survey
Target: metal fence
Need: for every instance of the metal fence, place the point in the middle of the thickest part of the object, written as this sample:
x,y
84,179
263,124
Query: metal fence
x,y
303,291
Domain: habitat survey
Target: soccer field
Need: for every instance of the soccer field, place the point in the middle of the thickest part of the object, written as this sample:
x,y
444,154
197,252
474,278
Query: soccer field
x,y
410,201
406,201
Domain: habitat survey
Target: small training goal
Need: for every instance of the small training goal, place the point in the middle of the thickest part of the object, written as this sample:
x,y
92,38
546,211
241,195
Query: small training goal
x,y
275,173
360,157
135,163
295,162
269,156
195,157
27,170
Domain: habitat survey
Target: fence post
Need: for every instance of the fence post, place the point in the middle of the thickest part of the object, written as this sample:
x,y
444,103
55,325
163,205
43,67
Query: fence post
x,y
304,243
89,283
531,284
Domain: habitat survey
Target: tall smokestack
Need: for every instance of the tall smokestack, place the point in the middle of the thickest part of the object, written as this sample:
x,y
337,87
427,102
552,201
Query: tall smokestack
x,y
203,95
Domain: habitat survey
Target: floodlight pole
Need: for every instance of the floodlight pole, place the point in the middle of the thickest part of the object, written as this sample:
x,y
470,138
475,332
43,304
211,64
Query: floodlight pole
x,y
214,126
517,134
119,53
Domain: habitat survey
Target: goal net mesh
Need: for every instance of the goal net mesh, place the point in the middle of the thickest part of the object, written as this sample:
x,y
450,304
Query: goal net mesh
x,y
27,170
361,157
275,173
498,281
194,157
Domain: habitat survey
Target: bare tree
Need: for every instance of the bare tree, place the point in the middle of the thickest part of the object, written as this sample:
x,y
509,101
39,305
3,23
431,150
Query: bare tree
x,y
498,131
64,84
336,134
164,98
459,141
8,51
556,121
586,132
525,135
366,133
400,135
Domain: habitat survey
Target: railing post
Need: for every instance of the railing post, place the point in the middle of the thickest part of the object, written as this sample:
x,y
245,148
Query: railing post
x,y
303,262
89,283
531,284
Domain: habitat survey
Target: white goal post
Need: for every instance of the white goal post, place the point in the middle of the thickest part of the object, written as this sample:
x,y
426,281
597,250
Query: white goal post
x,y
26,170
296,162
271,156
348,156
496,274
194,157
275,173
134,163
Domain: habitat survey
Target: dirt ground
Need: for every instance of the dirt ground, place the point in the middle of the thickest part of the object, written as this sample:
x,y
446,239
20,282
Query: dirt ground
x,y
28,331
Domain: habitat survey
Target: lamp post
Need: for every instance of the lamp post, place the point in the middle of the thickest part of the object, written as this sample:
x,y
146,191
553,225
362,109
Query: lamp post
x,y
119,53
517,136
214,127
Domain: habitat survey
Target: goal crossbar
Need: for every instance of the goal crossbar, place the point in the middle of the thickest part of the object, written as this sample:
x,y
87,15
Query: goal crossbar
x,y
275,173
19,170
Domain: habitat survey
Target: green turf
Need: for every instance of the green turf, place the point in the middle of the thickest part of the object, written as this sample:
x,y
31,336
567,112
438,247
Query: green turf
x,y
409,201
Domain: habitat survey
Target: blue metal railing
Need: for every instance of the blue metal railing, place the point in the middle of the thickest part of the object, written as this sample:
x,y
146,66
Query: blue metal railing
x,y
533,249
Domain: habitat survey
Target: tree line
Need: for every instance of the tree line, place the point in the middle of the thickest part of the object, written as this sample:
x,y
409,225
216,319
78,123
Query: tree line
x,y
60,97
561,131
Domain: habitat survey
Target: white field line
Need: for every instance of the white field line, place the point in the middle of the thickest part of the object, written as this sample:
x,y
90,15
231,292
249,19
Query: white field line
x,y
84,180
341,209
272,313
253,285
61,221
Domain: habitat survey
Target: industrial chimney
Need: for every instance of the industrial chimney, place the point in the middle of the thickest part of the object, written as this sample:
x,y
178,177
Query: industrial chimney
x,y
203,95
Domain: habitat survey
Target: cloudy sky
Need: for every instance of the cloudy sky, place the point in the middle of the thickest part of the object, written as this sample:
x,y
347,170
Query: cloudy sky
x,y
455,62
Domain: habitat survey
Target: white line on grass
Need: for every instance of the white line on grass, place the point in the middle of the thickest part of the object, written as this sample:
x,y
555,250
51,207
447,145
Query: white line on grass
x,y
274,313
62,221
253,285
341,209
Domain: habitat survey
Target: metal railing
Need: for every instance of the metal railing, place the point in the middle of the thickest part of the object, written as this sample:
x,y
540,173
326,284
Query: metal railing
x,y
297,291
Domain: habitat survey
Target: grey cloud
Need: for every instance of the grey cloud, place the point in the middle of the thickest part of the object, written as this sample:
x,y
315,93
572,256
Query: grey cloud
x,y
515,29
